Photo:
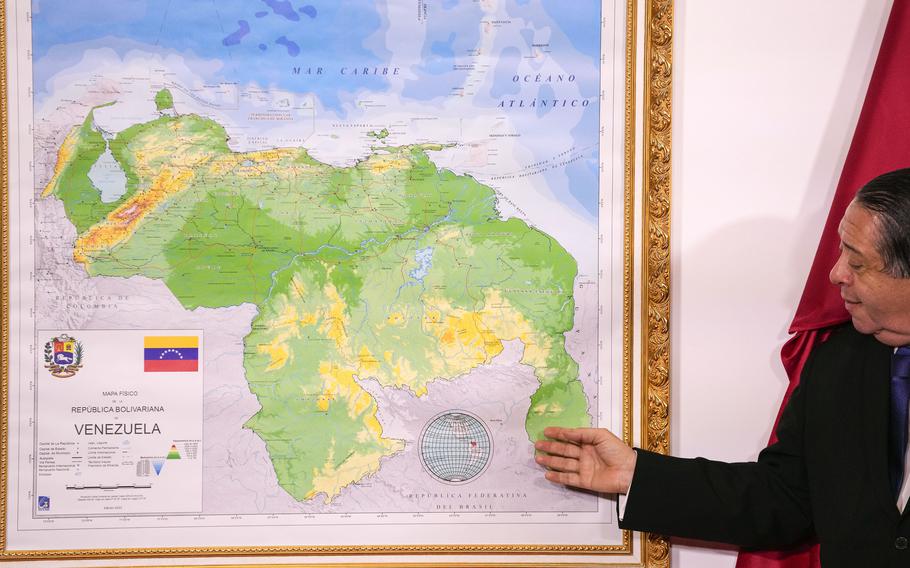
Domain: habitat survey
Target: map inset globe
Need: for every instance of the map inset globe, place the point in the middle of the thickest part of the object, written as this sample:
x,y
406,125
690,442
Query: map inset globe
x,y
455,447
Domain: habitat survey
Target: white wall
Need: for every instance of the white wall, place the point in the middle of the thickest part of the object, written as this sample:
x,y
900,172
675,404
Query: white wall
x,y
766,96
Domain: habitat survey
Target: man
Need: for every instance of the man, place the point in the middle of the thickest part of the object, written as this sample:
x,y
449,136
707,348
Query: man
x,y
839,468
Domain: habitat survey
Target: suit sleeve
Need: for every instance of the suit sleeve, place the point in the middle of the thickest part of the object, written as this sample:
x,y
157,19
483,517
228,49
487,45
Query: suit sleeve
x,y
763,504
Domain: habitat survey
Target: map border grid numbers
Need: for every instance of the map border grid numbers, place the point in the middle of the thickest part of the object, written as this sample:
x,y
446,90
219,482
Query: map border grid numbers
x,y
256,550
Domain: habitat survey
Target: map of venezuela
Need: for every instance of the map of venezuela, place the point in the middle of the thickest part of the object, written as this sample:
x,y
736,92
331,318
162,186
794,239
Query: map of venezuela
x,y
391,269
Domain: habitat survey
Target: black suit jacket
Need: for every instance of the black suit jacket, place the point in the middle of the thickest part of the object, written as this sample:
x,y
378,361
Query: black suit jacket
x,y
826,476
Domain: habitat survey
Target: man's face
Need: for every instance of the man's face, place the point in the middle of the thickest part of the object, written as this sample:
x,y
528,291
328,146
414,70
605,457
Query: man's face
x,y
878,303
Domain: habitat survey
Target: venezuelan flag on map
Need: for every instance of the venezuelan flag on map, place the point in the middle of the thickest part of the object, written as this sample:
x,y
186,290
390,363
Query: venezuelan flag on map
x,y
171,353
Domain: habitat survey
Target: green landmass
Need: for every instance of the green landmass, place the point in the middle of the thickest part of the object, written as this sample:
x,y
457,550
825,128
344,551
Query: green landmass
x,y
391,268
381,134
164,100
81,200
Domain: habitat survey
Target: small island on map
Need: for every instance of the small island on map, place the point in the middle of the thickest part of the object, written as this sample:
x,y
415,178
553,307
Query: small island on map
x,y
164,100
392,269
379,135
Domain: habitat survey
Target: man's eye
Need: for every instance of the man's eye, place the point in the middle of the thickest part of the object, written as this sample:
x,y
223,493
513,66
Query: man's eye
x,y
854,266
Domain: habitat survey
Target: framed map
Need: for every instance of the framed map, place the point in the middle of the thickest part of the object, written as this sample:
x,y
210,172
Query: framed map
x,y
308,278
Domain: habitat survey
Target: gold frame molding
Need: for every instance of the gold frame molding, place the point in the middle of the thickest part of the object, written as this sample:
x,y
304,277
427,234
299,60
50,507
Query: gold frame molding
x,y
655,280
654,334
4,276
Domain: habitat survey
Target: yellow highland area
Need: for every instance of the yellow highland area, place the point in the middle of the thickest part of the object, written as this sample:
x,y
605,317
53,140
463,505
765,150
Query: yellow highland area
x,y
332,479
120,223
64,155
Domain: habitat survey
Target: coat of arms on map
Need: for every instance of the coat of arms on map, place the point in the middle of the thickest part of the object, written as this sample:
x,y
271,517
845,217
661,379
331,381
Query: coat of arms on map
x,y
63,356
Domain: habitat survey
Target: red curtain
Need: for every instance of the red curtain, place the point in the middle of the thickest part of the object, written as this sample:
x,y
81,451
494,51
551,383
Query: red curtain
x,y
881,143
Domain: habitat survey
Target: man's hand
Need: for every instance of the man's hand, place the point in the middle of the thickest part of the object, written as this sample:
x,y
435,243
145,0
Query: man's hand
x,y
589,458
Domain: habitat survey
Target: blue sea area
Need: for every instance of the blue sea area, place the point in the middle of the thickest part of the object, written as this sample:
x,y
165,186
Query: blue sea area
x,y
528,35
231,32
441,55
564,73
236,37
581,24
576,30
450,36
584,183
583,174
283,8
291,46
545,92
506,68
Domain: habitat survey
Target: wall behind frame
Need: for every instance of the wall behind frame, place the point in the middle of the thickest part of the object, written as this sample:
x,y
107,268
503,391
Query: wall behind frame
x,y
766,97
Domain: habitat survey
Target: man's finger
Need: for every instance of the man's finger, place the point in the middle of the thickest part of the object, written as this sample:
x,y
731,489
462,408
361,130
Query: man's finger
x,y
556,433
558,448
565,478
557,463
578,435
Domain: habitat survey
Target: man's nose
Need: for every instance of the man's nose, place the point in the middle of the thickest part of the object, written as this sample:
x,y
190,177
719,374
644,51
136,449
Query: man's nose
x,y
839,273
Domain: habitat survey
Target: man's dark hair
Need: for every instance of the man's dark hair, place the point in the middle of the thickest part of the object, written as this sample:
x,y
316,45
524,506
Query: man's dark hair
x,y
888,198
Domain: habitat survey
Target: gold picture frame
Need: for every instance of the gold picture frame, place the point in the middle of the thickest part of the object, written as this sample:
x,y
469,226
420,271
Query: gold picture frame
x,y
647,198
